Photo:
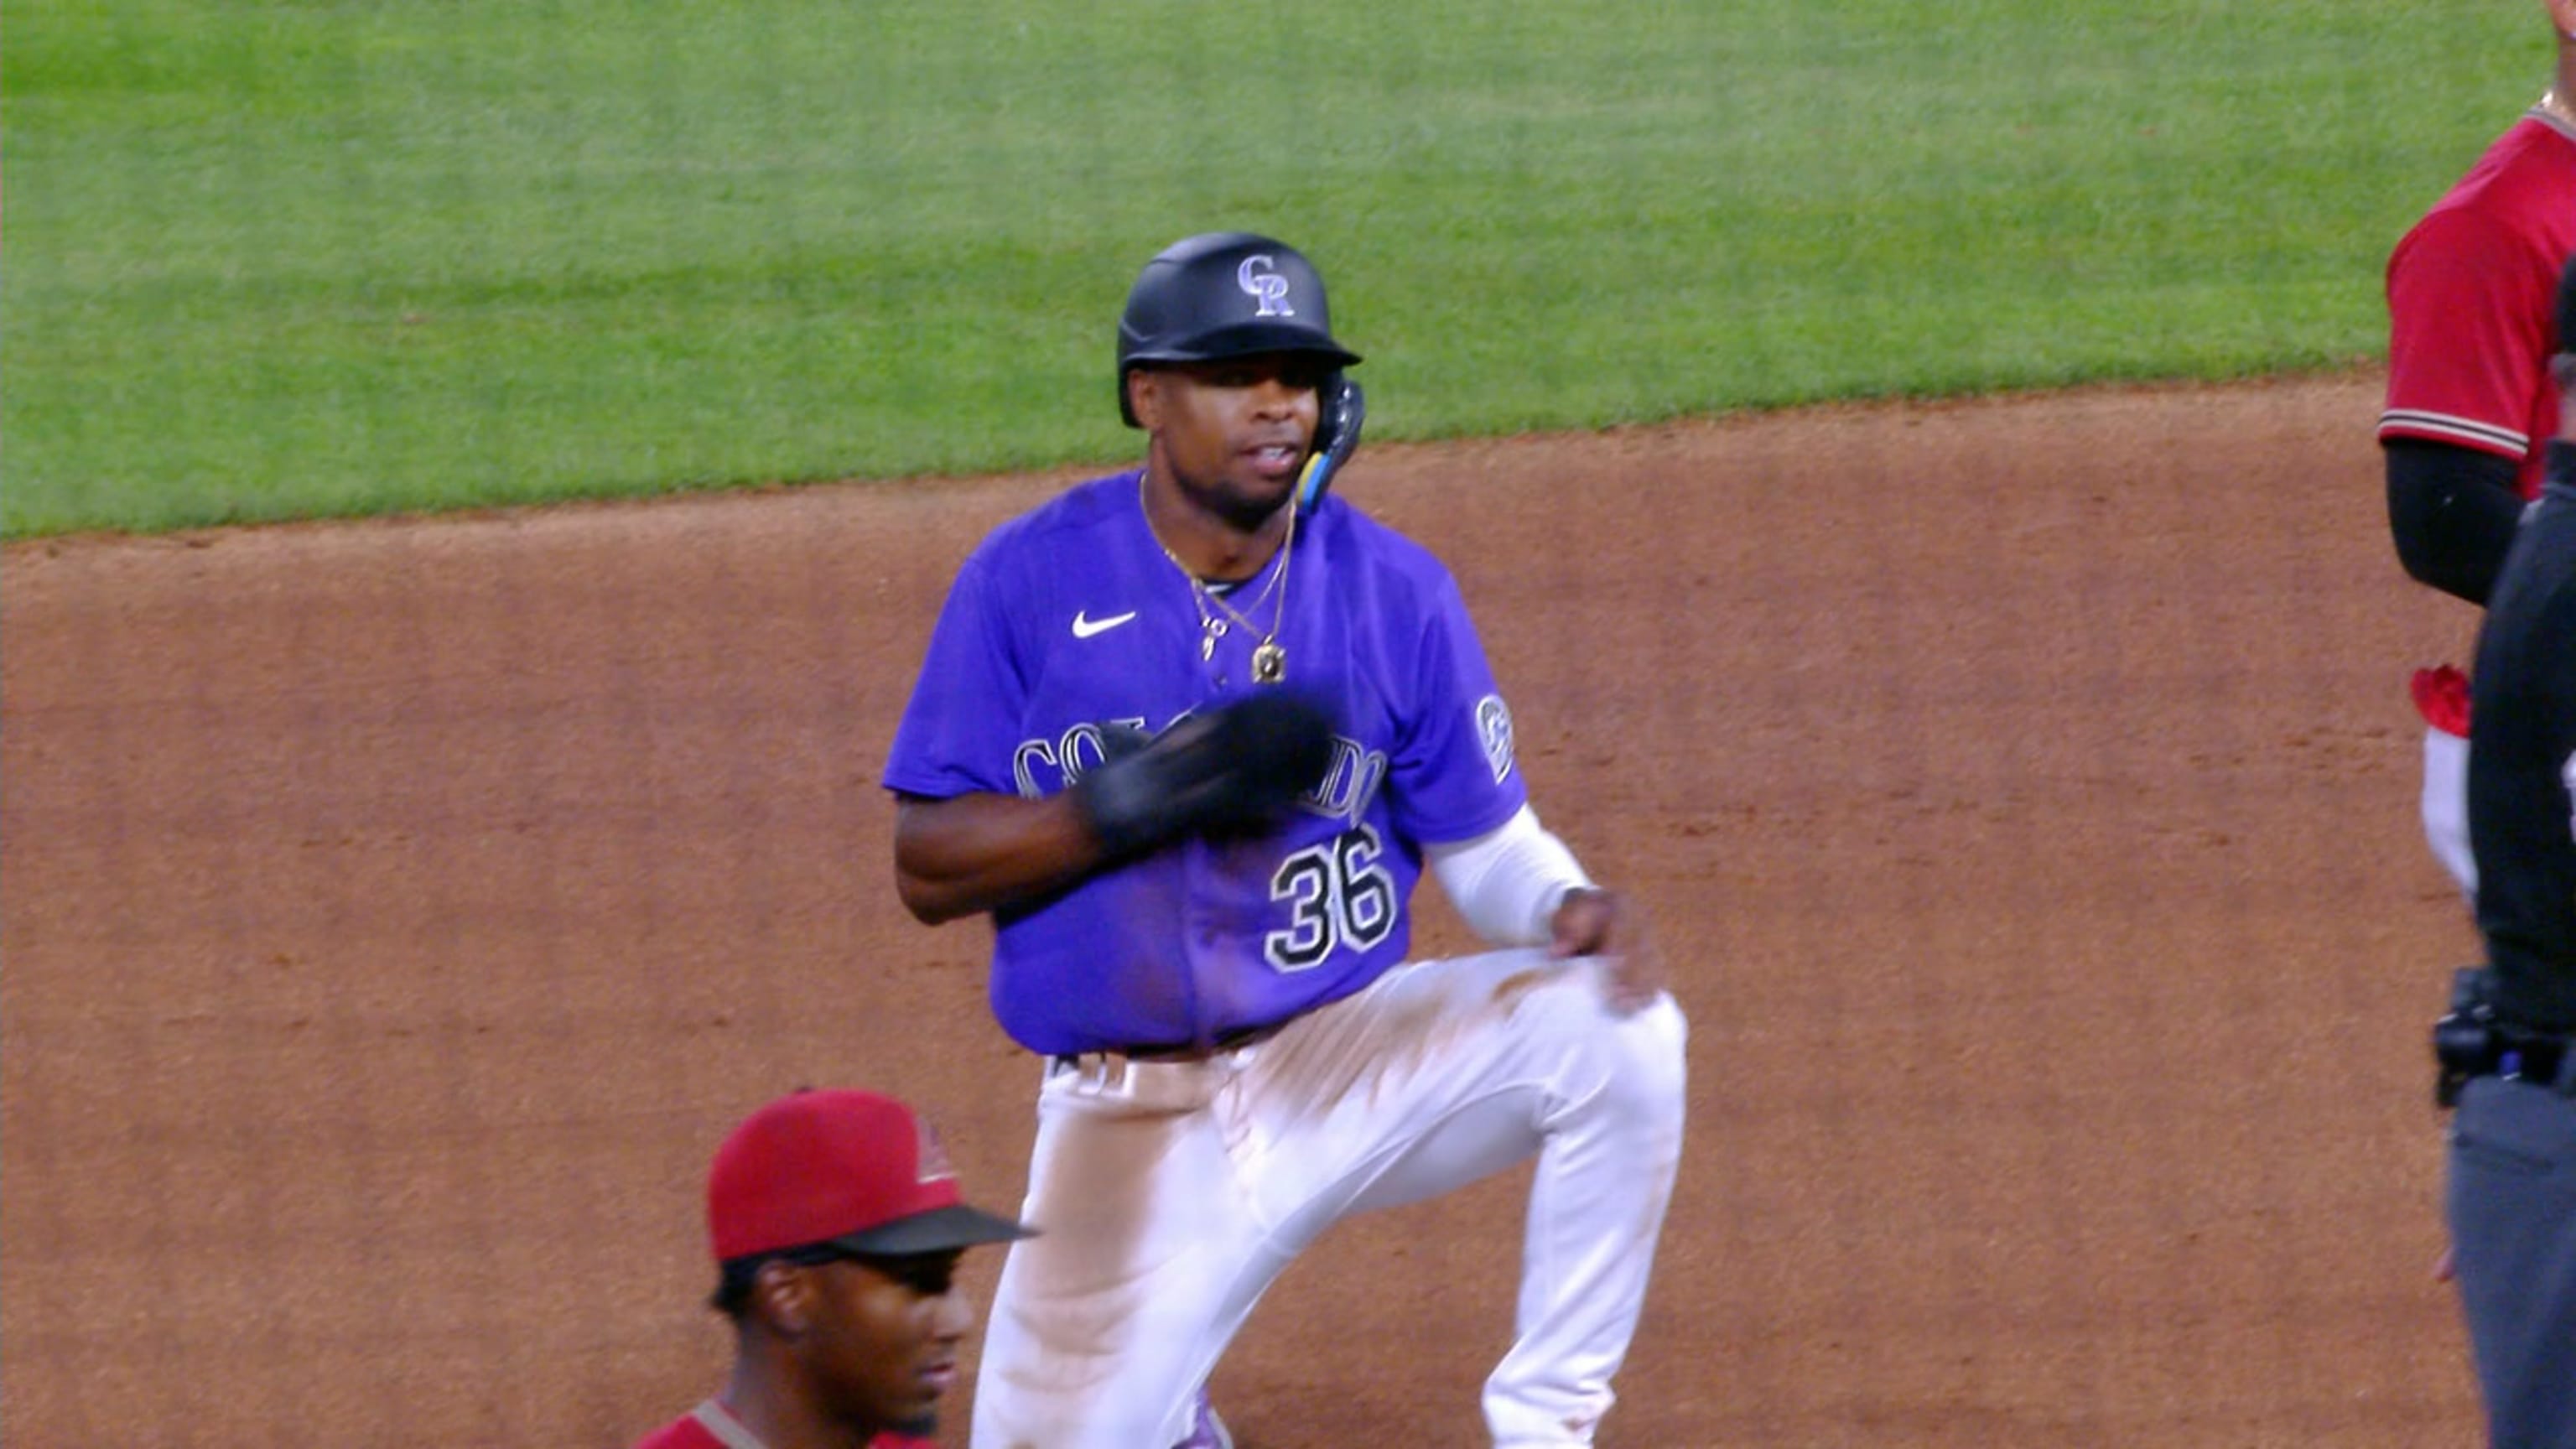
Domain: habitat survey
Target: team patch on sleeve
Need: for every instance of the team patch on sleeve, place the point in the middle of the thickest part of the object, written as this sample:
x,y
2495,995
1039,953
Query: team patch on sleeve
x,y
1494,730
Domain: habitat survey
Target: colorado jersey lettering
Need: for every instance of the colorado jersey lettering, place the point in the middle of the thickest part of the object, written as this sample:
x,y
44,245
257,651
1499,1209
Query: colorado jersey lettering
x,y
1206,938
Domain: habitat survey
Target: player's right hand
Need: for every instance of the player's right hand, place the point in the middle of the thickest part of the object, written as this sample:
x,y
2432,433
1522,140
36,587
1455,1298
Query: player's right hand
x,y
1233,769
1594,922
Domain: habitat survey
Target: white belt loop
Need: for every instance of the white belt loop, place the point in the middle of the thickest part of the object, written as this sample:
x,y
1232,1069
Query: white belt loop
x,y
1096,1073
1178,1085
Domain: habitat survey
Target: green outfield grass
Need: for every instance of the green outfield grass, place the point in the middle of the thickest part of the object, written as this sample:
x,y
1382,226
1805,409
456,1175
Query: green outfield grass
x,y
269,260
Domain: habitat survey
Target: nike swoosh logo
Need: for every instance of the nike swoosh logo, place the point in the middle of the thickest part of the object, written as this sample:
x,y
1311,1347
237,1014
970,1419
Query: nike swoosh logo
x,y
1084,628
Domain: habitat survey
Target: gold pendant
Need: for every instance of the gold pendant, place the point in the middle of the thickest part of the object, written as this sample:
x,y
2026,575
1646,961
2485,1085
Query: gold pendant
x,y
1269,663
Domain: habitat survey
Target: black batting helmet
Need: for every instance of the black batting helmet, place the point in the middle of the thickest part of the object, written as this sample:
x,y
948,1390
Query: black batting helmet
x,y
1224,294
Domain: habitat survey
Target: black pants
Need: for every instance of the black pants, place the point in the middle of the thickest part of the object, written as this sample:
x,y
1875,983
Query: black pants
x,y
2512,1205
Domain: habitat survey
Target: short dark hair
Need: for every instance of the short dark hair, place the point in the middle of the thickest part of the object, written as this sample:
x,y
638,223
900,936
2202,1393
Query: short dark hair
x,y
737,1277
929,1272
732,1297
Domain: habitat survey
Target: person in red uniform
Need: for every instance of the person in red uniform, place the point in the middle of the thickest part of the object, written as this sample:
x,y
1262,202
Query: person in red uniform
x,y
837,1229
2471,293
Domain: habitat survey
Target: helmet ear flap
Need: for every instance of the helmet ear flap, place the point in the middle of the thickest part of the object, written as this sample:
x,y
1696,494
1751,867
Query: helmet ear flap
x,y
1337,435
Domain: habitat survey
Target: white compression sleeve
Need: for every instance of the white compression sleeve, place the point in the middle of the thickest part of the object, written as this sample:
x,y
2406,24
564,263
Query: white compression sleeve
x,y
1506,883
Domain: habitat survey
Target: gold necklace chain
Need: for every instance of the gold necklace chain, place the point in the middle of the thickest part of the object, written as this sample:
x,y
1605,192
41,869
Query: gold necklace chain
x,y
1278,583
1269,660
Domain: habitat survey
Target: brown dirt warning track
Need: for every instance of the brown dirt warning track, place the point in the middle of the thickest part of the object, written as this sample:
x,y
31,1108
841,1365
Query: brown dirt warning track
x,y
2022,790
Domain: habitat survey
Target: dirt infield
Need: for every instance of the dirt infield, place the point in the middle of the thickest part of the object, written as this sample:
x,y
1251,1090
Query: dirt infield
x,y
397,913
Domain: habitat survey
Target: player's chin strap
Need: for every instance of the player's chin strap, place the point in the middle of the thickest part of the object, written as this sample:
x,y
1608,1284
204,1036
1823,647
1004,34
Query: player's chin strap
x,y
1337,436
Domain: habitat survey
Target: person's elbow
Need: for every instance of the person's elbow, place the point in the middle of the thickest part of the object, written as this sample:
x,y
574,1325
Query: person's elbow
x,y
2418,555
928,904
2442,551
930,895
933,899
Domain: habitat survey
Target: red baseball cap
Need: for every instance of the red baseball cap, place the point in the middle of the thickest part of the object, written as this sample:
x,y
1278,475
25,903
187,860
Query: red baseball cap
x,y
841,1169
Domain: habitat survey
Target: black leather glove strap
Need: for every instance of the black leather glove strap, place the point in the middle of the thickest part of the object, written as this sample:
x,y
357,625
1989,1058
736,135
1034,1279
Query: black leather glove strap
x,y
1230,769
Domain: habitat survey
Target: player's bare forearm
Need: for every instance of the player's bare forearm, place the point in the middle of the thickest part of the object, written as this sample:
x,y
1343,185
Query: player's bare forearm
x,y
1231,768
974,853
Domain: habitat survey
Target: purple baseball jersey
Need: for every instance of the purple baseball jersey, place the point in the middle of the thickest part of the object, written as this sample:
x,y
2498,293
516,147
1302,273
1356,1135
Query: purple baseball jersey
x,y
1071,618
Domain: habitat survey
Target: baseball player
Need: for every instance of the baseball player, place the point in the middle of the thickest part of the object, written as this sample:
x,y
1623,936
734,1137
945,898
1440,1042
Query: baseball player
x,y
837,1228
2470,401
2509,1050
1190,733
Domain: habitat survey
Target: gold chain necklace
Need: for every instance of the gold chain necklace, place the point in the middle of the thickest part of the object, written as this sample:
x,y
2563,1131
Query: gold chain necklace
x,y
1269,659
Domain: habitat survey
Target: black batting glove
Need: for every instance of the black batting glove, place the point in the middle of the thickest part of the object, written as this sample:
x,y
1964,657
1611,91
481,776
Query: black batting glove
x,y
1235,769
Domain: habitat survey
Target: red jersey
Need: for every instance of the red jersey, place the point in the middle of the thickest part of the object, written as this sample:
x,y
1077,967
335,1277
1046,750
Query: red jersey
x,y
2472,291
685,1432
708,1426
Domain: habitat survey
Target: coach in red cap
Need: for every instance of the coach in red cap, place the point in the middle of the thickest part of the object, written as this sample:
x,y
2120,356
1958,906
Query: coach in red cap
x,y
837,1227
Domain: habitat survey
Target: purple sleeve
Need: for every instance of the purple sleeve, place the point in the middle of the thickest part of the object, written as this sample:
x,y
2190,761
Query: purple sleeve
x,y
956,734
1454,774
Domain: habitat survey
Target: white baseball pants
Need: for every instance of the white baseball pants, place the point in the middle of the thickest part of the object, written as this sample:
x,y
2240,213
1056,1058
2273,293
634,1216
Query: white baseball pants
x,y
2446,808
1169,1195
